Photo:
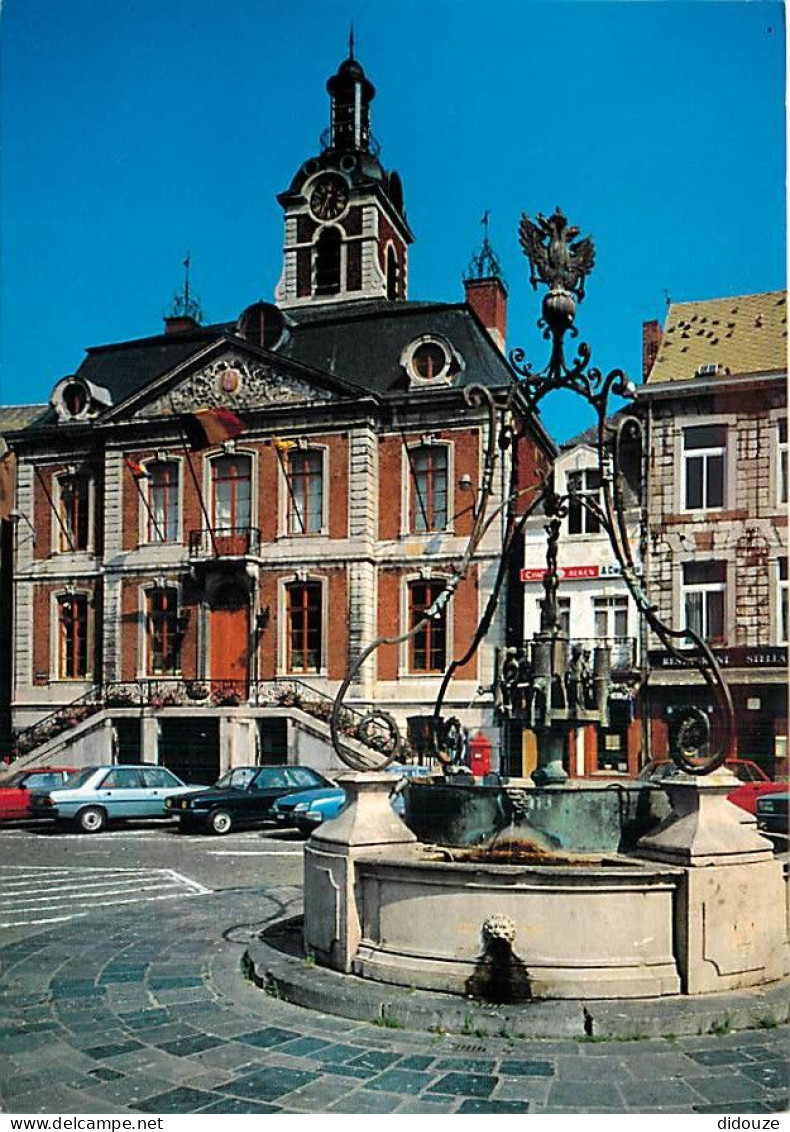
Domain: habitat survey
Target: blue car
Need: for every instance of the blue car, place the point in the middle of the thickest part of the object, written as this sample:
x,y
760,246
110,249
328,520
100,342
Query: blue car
x,y
311,808
97,795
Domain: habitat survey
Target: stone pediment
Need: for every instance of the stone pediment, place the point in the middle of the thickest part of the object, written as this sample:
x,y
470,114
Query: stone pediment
x,y
234,381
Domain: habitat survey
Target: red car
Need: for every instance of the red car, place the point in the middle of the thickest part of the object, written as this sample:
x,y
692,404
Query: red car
x,y
17,791
754,782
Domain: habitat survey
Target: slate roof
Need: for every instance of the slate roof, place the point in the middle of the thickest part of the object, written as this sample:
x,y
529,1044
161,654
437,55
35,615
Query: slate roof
x,y
362,341
743,334
358,344
15,417
125,367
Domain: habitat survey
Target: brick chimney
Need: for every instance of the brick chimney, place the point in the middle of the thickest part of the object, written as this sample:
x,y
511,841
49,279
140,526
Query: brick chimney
x,y
180,324
651,340
488,299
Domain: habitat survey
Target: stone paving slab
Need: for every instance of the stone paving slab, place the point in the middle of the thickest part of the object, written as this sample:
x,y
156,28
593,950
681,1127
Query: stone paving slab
x,y
189,1034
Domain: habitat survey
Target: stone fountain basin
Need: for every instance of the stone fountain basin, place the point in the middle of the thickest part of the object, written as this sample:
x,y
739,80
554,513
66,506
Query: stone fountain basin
x,y
581,816
586,927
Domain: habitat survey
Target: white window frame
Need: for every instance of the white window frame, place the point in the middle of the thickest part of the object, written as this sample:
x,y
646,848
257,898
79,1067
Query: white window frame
x,y
284,493
228,449
404,655
595,493
703,589
408,486
57,530
142,632
781,468
302,579
90,629
704,454
782,597
143,509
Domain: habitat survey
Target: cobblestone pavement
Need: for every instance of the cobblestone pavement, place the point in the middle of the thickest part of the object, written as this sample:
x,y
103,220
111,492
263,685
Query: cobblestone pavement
x,y
144,1010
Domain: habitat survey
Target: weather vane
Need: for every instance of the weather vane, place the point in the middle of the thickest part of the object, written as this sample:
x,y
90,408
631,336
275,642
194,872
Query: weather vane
x,y
185,304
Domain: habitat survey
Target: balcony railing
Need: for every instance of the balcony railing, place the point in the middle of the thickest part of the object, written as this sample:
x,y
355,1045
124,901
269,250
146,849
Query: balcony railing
x,y
224,542
622,650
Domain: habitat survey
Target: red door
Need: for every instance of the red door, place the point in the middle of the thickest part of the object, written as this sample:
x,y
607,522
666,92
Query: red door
x,y
230,641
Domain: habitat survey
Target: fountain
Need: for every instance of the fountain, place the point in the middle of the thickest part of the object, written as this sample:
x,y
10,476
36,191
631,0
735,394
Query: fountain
x,y
682,898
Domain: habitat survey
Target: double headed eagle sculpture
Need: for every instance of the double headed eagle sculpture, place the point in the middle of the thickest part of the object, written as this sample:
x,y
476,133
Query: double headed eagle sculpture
x,y
556,257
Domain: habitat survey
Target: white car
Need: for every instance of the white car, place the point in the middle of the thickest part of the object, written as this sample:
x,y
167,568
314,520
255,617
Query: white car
x,y
97,795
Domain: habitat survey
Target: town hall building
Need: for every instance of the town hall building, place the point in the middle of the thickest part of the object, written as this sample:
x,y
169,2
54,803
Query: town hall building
x,y
213,522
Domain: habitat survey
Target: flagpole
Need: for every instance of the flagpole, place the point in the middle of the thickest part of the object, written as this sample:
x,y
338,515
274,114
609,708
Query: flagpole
x,y
416,482
55,512
191,466
289,487
157,529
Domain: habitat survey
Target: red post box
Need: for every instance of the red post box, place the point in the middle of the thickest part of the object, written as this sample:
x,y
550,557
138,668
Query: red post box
x,y
479,755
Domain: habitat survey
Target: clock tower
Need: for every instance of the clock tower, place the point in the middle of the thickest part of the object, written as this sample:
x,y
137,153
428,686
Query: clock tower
x,y
346,235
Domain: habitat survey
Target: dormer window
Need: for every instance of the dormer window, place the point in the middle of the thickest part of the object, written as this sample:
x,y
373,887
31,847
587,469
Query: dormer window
x,y
75,399
430,359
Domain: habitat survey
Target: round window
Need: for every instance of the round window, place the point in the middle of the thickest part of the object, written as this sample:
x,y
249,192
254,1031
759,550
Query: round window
x,y
75,398
429,360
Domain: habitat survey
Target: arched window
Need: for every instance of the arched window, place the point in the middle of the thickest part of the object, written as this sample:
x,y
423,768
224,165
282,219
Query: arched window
x,y
392,274
327,262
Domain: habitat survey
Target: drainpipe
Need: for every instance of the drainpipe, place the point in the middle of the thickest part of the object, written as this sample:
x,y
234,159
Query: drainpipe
x,y
644,540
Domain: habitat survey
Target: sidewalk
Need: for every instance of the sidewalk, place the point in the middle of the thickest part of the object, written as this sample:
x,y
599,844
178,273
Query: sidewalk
x,y
150,1014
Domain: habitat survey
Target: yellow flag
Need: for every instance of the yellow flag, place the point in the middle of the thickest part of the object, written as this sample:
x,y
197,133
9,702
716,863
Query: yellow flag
x,y
283,445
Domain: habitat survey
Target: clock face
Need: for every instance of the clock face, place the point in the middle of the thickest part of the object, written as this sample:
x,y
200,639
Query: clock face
x,y
329,197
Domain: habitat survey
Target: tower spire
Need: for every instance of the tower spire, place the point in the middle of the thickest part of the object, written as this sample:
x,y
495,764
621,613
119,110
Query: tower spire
x,y
351,94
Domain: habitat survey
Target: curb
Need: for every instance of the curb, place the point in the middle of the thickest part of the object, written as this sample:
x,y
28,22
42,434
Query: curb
x,y
291,977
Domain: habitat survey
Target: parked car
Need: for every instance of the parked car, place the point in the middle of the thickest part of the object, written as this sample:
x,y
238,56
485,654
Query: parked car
x,y
754,782
16,792
772,811
285,809
311,808
97,795
242,797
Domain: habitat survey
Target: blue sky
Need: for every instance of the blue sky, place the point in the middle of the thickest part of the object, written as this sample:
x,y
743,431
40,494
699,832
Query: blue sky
x,y
133,132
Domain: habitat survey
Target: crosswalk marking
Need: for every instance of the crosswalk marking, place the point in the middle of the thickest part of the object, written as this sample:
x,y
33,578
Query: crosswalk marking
x,y
41,895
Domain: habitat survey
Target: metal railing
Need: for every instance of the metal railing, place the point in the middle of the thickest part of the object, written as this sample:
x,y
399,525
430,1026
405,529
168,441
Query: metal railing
x,y
57,722
224,542
172,692
622,650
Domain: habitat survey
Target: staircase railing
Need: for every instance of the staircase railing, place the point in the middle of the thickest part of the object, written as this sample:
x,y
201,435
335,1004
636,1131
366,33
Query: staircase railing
x,y
62,719
173,692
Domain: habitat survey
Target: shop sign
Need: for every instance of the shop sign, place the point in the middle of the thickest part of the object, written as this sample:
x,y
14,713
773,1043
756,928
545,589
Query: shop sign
x,y
757,656
576,573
